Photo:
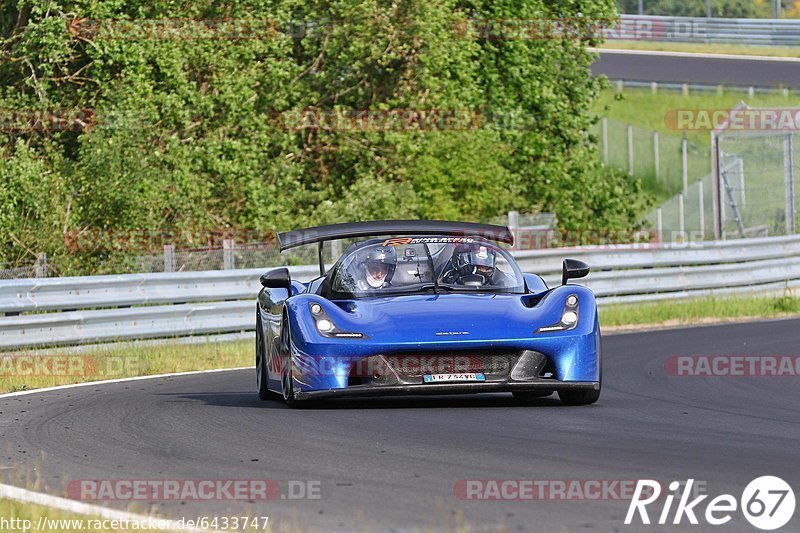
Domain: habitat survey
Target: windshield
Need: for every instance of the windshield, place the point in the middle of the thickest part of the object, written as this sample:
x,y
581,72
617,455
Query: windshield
x,y
411,265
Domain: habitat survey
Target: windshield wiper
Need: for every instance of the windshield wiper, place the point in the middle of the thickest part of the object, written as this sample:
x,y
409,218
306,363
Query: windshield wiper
x,y
437,288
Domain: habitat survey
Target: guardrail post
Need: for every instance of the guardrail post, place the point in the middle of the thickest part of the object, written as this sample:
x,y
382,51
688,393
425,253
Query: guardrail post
x,y
169,258
40,267
788,175
228,257
655,155
630,149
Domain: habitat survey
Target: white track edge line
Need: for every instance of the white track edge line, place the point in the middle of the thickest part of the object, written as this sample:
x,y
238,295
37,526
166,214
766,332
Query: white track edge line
x,y
119,380
622,51
64,504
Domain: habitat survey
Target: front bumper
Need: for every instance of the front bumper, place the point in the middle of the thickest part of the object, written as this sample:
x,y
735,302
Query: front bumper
x,y
448,388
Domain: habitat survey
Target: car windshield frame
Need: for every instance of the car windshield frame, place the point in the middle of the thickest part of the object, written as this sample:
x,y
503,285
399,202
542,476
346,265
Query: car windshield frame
x,y
341,282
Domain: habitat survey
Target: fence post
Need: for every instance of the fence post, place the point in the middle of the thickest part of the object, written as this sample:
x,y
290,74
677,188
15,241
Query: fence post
x,y
716,205
169,258
228,259
788,175
336,249
630,149
701,194
513,224
685,162
655,155
742,191
40,267
660,225
604,124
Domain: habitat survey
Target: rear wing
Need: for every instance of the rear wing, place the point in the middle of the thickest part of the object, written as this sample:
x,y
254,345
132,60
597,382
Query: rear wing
x,y
375,228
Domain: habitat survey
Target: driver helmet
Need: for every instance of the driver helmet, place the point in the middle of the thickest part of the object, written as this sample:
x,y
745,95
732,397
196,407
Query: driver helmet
x,y
379,266
475,259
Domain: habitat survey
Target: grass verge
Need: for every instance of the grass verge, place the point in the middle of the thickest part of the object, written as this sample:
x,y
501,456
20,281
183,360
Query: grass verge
x,y
705,48
645,109
33,370
699,311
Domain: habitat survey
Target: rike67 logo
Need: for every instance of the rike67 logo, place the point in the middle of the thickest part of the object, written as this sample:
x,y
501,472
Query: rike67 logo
x,y
767,502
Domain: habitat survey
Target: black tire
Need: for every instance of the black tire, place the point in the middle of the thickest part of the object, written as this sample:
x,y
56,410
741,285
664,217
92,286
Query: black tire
x,y
528,395
262,372
579,397
287,383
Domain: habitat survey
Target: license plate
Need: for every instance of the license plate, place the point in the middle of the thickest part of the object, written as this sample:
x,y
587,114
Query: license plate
x,y
440,378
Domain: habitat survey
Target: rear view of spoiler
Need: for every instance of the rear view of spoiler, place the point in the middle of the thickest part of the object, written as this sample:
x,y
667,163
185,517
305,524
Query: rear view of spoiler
x,y
375,228
292,239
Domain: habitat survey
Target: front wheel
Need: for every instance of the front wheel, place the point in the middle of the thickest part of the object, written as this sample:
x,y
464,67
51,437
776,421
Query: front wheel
x,y
262,372
287,380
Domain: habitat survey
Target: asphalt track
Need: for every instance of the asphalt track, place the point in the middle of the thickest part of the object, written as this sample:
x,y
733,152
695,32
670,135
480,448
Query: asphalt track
x,y
668,67
392,464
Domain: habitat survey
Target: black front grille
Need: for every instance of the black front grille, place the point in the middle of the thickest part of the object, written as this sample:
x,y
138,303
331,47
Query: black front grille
x,y
411,365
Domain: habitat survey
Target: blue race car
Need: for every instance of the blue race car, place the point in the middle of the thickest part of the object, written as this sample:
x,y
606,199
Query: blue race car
x,y
424,307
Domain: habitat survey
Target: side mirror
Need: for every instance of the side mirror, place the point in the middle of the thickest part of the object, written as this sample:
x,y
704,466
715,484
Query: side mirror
x,y
278,278
573,269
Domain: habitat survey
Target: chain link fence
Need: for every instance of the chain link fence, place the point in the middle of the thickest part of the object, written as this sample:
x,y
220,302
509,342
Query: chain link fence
x,y
667,163
757,191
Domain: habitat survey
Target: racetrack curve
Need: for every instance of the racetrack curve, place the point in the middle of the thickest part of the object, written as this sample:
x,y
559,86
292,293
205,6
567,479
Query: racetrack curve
x,y
392,464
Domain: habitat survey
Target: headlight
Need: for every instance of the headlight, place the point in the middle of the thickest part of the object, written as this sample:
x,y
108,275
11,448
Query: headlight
x,y
326,327
569,317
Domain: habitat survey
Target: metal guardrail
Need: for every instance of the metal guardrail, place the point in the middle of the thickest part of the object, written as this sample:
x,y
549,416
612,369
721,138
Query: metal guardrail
x,y
773,32
67,311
